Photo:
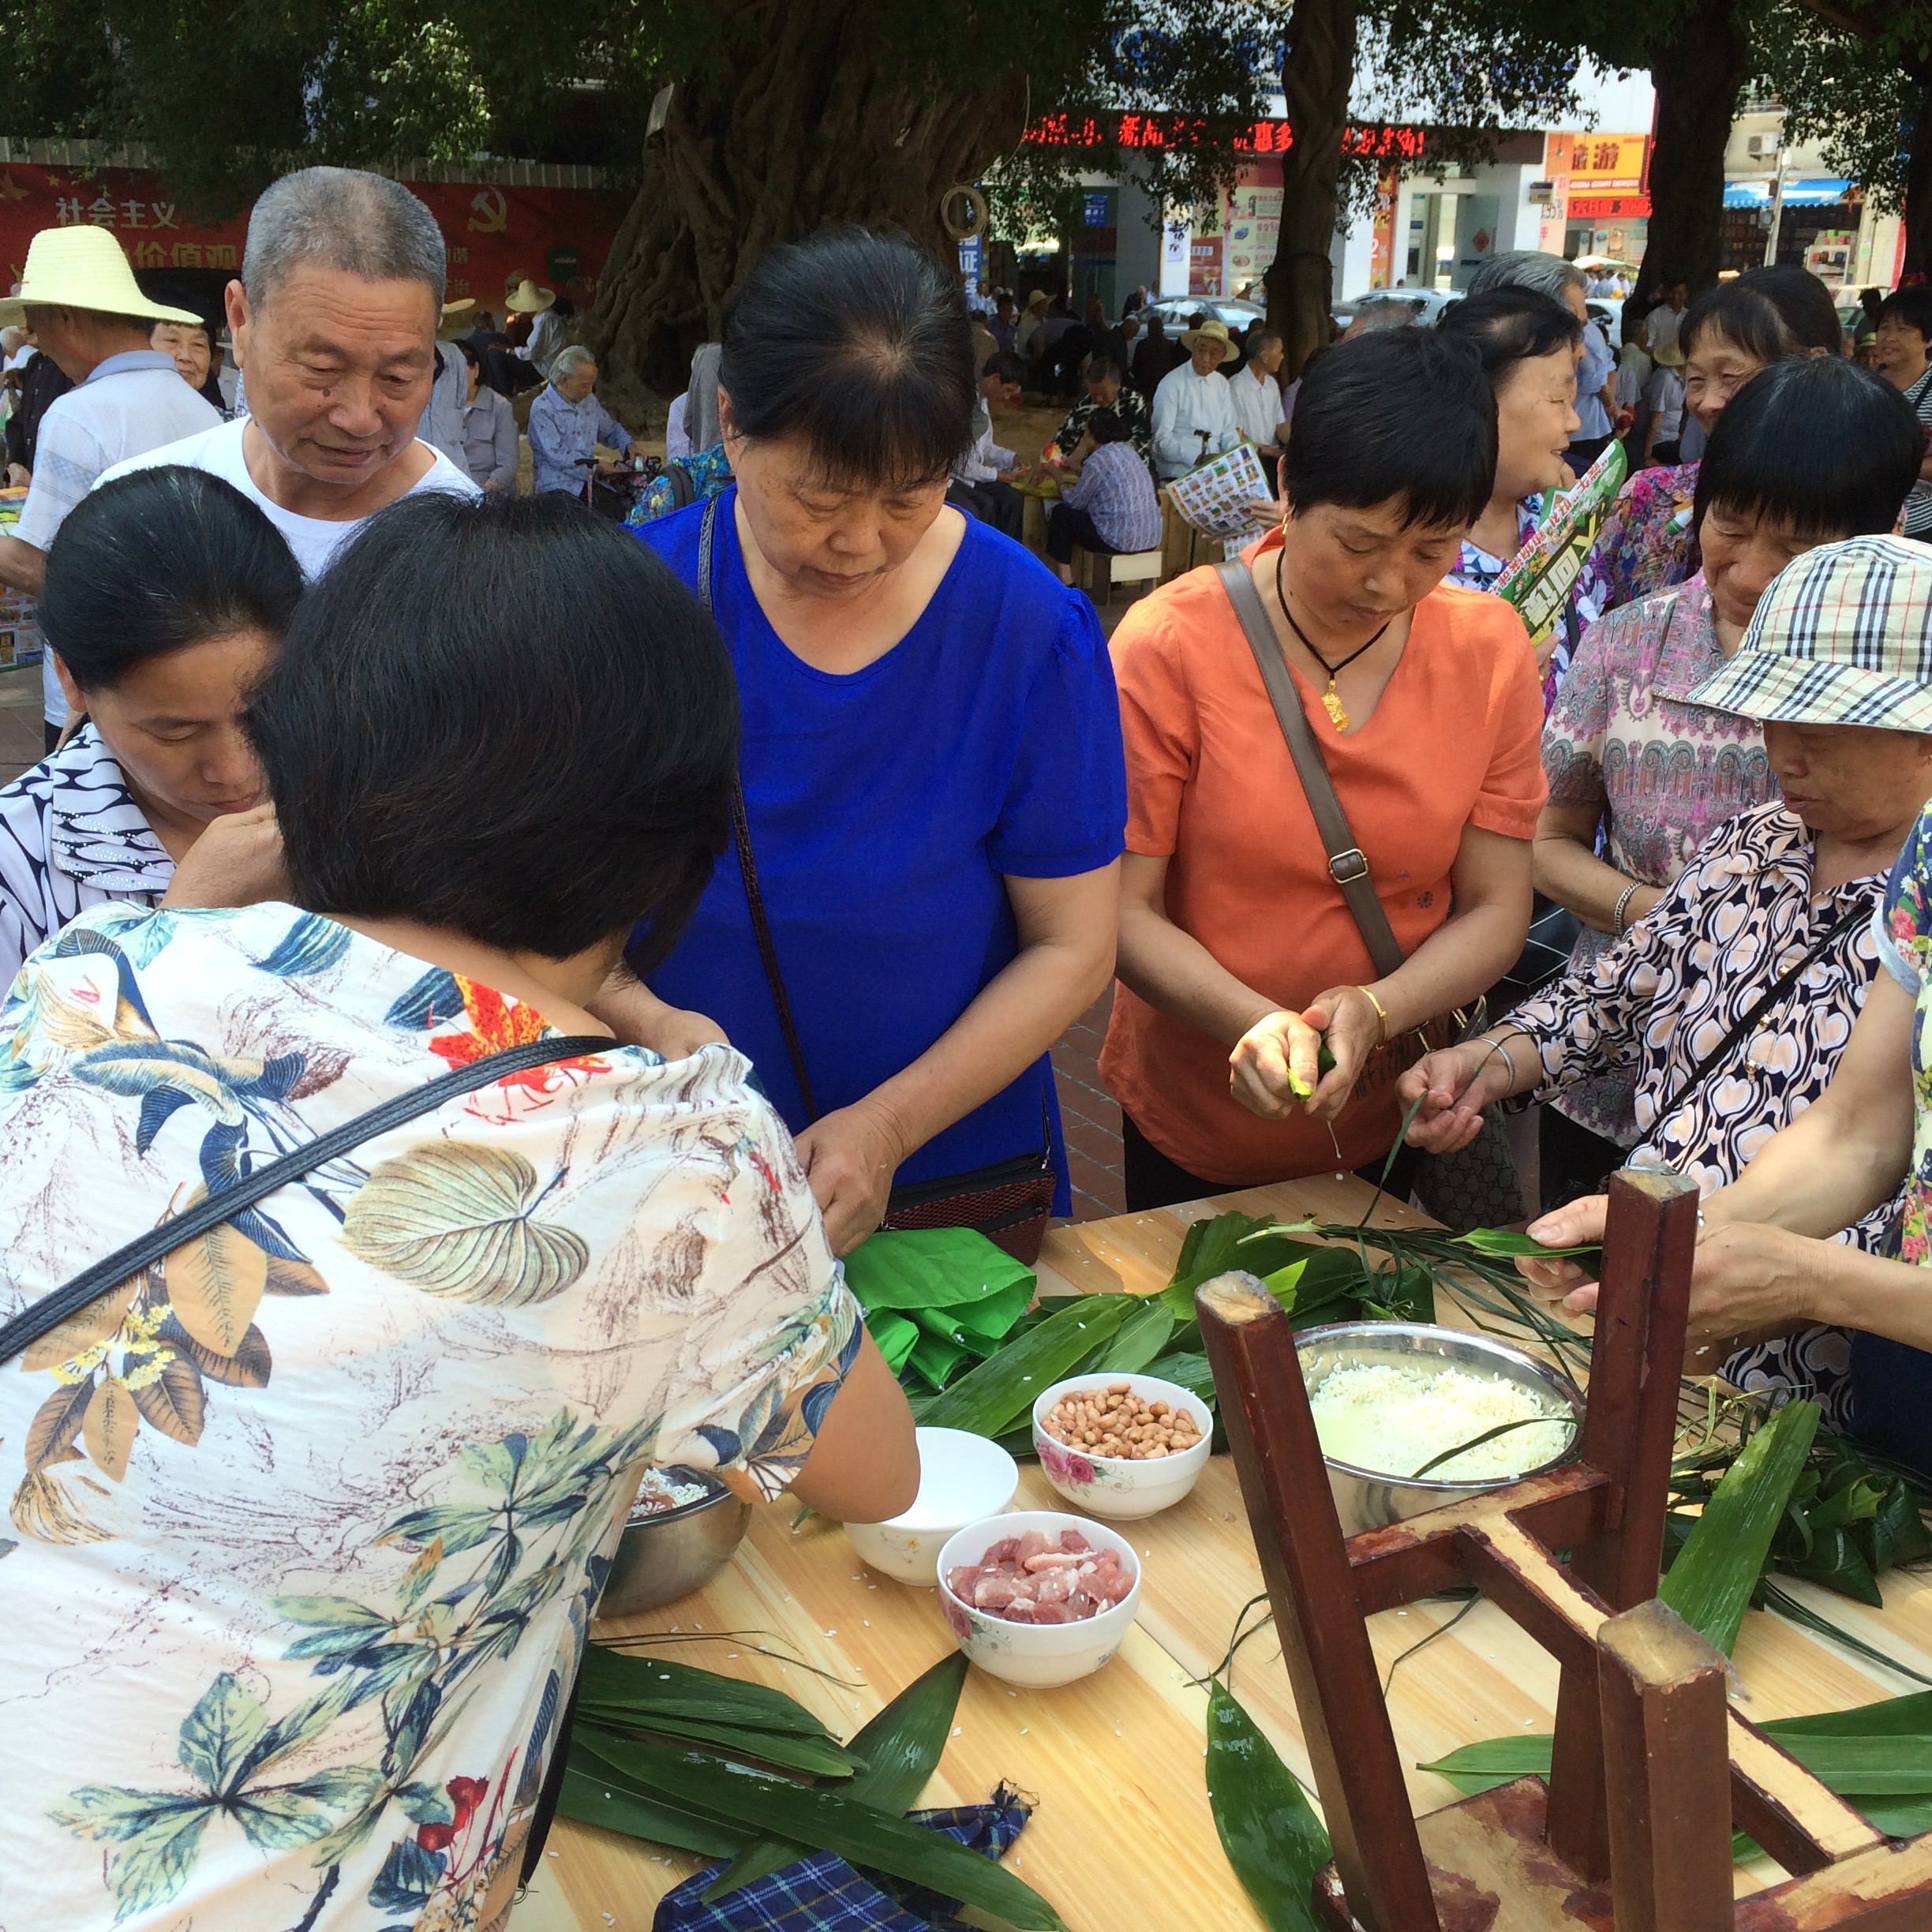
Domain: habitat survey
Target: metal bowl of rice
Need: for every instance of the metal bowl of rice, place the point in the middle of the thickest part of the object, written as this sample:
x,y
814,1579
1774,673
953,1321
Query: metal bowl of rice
x,y
684,1528
1398,1394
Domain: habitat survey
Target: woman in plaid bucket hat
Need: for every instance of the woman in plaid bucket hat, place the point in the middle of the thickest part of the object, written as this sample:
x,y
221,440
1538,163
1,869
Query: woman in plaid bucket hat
x,y
1738,1000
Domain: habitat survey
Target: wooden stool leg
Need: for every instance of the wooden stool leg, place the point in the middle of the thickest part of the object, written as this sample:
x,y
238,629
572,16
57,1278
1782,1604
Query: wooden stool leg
x,y
1264,1406
1662,1693
1629,1428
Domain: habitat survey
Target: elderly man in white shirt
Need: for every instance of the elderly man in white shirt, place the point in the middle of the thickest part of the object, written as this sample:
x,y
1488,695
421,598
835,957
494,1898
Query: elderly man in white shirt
x,y
1193,407
1257,391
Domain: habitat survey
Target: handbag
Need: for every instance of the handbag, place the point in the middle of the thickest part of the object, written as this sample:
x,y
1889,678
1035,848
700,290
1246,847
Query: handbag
x,y
1477,1186
1007,1202
34,1321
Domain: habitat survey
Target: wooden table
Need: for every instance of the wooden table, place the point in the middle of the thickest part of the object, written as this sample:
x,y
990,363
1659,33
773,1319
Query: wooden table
x,y
1115,1760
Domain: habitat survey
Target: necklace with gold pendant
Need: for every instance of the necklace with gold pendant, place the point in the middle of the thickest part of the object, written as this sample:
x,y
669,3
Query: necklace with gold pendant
x,y
1332,699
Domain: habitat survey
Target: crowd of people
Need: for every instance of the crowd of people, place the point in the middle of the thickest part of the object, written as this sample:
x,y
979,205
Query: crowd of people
x,y
736,864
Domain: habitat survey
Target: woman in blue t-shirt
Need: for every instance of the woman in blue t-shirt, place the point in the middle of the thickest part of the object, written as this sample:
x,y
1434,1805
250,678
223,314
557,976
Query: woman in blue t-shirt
x,y
932,784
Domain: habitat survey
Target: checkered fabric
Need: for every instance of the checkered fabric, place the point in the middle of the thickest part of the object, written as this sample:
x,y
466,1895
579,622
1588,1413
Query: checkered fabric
x,y
822,1893
1843,636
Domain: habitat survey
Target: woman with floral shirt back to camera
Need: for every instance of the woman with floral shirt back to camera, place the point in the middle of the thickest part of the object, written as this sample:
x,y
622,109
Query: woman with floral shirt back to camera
x,y
310,1520
1811,450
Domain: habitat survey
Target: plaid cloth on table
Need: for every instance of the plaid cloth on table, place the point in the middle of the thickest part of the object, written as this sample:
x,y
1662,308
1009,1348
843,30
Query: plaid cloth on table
x,y
1843,636
822,1893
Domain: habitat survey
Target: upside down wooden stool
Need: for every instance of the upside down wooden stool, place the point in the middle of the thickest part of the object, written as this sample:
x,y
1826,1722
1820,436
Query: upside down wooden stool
x,y
1651,1769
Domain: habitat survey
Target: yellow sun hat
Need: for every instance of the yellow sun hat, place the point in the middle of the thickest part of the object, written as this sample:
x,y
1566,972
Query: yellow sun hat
x,y
83,267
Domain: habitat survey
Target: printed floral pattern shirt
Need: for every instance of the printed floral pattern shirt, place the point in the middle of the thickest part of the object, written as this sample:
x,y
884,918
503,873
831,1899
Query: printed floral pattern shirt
x,y
307,1522
1621,742
1652,1005
1903,934
1477,569
1646,543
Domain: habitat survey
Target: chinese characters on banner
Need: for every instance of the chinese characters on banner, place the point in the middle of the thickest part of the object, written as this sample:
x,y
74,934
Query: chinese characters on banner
x,y
1253,230
1382,241
1608,175
491,230
1265,137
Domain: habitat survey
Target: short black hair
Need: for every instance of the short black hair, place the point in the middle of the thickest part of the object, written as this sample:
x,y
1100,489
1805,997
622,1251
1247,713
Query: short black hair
x,y
504,717
1102,367
1104,426
1820,444
1398,415
1912,306
1004,364
1509,325
157,561
1769,313
860,344
467,349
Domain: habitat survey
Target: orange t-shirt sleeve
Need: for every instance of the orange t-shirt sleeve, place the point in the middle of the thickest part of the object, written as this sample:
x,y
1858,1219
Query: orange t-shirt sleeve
x,y
1514,789
1158,726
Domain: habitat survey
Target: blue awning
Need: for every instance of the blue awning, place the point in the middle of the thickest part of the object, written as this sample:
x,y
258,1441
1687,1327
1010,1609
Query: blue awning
x,y
1817,193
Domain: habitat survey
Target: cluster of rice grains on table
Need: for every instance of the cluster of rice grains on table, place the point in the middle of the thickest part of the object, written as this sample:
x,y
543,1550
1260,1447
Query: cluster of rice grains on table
x,y
1112,1420
1026,1579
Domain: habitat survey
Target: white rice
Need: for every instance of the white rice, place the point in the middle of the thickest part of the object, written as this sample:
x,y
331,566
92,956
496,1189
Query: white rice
x,y
1394,1418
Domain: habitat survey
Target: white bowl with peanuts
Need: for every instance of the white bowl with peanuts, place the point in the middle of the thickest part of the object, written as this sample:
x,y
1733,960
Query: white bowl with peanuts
x,y
1122,1446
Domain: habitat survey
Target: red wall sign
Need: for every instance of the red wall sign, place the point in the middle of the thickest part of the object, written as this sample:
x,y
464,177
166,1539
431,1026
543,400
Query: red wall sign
x,y
1179,131
490,230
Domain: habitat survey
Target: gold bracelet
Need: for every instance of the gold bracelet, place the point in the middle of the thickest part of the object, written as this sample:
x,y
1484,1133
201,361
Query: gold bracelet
x,y
1381,1013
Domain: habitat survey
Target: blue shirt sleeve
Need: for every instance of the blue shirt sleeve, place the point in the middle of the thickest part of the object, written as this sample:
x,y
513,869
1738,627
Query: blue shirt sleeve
x,y
1066,809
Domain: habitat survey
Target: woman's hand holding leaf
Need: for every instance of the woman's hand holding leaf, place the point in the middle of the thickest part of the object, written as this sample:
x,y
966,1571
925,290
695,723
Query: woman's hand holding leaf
x,y
1274,1069
1576,1224
1454,1086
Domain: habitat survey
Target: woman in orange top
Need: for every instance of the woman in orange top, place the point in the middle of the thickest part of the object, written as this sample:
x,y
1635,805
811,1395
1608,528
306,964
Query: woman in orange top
x,y
1236,945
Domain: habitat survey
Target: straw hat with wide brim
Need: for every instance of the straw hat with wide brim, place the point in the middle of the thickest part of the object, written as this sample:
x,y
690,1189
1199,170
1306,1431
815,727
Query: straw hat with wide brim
x,y
528,299
1213,329
463,305
1668,355
1843,636
83,268
1038,299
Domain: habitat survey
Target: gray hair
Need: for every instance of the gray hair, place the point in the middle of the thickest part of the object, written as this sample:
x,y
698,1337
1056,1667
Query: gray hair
x,y
342,219
1259,340
1549,275
567,362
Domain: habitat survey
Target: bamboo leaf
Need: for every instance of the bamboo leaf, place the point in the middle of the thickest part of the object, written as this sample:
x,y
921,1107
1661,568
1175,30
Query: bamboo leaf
x,y
595,1794
995,1395
617,1689
814,1757
1488,1435
1273,1839
901,1747
1711,1584
825,1820
1142,1336
1504,1245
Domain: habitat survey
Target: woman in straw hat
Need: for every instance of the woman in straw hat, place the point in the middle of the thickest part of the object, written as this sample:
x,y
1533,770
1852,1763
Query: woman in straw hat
x,y
1193,407
1837,667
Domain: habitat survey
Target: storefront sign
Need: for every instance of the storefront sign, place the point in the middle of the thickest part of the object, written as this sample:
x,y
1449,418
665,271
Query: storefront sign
x,y
1265,137
1382,249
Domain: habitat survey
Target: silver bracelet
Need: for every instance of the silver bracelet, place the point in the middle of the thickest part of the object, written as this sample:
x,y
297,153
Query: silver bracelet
x,y
1617,918
1495,1046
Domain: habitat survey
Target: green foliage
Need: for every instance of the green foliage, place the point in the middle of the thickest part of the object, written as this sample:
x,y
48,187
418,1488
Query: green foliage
x,y
1273,1839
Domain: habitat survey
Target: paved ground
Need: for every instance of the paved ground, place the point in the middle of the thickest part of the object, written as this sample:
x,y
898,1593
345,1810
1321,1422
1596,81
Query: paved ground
x,y
21,740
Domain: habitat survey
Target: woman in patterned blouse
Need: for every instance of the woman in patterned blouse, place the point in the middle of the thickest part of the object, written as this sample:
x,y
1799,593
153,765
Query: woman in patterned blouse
x,y
1858,621
1812,452
166,595
1731,1003
1729,333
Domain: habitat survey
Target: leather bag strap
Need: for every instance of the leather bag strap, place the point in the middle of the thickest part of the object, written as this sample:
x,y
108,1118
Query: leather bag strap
x,y
1347,866
28,1325
741,838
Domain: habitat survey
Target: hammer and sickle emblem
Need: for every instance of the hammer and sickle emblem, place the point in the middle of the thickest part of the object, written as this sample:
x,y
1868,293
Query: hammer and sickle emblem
x,y
492,212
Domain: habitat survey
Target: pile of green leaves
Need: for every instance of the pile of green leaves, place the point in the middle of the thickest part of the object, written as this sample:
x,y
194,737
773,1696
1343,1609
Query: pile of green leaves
x,y
708,1764
1273,1839
936,1299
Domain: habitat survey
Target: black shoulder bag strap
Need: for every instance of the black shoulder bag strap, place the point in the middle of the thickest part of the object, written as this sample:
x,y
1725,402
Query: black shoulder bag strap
x,y
33,1322
741,838
1773,995
1347,866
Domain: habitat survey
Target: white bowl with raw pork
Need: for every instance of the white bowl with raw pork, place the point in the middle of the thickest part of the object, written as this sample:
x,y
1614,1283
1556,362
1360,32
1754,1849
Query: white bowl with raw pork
x,y
1036,1655
1122,1487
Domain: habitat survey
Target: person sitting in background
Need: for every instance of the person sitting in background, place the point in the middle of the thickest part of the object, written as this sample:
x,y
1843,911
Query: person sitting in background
x,y
984,474
567,422
547,332
1810,450
1005,322
476,689
1110,506
1664,405
1154,356
1257,392
1104,391
166,596
195,354
1902,353
1033,320
1728,335
1194,411
487,432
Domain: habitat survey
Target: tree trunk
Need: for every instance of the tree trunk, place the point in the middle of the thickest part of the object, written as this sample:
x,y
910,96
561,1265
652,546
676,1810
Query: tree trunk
x,y
1698,73
1316,75
1917,266
797,126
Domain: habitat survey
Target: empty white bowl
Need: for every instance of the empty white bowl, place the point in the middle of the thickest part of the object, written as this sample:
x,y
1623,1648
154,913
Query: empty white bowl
x,y
963,1479
1118,1486
1036,1656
